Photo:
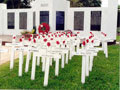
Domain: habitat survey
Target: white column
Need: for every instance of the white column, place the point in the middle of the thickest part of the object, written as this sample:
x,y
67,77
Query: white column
x,y
3,7
87,18
17,21
70,19
65,19
1,22
4,21
53,29
109,19
112,22
29,20
37,20
52,20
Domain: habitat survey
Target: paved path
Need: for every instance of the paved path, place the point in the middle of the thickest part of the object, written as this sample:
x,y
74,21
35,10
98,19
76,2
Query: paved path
x,y
8,38
5,57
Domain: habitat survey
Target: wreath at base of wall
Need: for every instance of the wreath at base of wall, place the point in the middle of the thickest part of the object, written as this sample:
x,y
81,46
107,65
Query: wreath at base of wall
x,y
43,28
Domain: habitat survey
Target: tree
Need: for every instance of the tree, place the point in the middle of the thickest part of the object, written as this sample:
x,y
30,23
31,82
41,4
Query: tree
x,y
17,3
85,3
74,3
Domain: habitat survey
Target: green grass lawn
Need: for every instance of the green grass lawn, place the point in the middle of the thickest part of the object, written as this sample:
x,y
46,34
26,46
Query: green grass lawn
x,y
105,75
118,39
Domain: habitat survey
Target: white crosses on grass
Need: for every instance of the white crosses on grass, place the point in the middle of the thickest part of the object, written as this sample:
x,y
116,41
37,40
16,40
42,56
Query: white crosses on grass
x,y
56,46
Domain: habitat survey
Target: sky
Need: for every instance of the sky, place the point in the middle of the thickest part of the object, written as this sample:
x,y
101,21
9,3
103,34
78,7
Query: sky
x,y
119,2
105,3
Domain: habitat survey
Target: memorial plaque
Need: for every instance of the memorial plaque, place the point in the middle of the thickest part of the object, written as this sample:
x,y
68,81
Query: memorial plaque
x,y
78,20
23,20
11,20
95,20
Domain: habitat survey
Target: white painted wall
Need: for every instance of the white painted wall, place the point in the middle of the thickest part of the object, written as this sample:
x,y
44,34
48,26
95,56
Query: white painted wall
x,y
108,24
112,18
17,31
0,21
2,8
43,5
60,5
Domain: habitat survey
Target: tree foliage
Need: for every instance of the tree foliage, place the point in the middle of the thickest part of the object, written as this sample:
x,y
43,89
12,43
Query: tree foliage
x,y
16,3
85,3
74,3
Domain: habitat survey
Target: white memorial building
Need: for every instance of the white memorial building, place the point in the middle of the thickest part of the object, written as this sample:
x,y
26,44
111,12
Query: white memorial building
x,y
60,16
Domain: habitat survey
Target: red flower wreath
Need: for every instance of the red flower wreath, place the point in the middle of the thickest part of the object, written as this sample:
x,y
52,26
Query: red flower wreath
x,y
43,28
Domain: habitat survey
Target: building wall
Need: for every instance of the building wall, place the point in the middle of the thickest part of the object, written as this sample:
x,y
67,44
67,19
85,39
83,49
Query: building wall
x,y
108,24
60,5
112,22
2,24
16,30
87,17
108,20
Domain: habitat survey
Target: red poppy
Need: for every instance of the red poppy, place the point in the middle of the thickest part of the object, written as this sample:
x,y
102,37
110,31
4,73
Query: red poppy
x,y
91,33
104,34
39,37
50,32
48,35
34,40
37,34
68,36
55,35
83,43
63,42
90,37
71,35
68,32
51,38
92,41
48,44
57,42
29,39
31,35
20,39
14,37
87,41
43,36
45,40
22,36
